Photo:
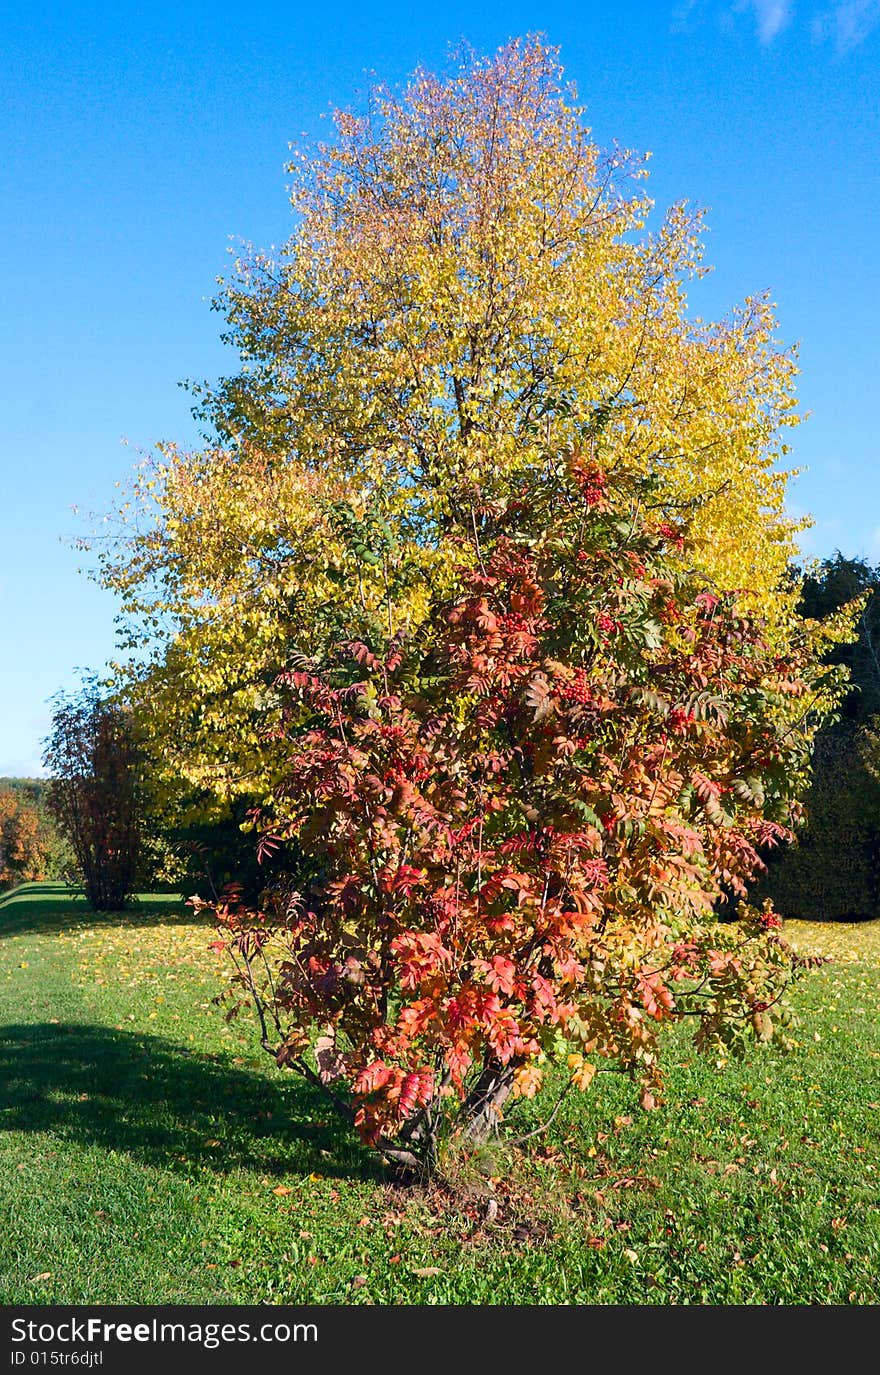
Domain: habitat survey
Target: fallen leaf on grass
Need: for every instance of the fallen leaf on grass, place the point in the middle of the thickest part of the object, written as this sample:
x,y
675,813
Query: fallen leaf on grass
x,y
46,1275
427,1271
282,1191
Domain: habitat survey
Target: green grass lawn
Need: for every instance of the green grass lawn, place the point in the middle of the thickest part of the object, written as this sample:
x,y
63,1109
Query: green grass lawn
x,y
150,1153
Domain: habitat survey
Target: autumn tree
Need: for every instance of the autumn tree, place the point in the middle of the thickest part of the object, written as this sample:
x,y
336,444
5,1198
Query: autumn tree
x,y
95,792
56,856
478,596
23,842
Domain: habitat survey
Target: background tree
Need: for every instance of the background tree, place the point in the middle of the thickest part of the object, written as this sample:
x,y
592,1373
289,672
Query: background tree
x,y
23,847
202,846
59,859
833,872
95,792
470,284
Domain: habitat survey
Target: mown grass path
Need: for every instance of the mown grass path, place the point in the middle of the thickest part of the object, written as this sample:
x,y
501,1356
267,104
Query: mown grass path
x,y
150,1154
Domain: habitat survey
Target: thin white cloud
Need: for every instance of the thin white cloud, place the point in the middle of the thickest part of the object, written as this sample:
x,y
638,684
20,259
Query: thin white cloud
x,y
844,24
847,24
771,16
682,13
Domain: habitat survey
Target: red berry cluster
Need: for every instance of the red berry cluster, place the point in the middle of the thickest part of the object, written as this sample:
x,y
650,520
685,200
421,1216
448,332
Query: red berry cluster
x,y
671,611
578,690
670,533
770,921
679,720
766,761
607,624
593,483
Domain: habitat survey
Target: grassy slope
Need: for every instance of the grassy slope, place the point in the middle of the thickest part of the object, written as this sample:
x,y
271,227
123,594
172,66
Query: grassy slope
x,y
148,1155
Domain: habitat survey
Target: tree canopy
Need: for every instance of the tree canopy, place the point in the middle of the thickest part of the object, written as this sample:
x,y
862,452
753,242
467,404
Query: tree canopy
x,y
470,284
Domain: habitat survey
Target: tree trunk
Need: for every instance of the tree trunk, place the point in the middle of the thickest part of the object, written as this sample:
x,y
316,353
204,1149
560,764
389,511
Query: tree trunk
x,y
480,1112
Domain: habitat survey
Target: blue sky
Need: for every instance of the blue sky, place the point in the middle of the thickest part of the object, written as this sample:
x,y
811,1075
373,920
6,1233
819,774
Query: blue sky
x,y
139,142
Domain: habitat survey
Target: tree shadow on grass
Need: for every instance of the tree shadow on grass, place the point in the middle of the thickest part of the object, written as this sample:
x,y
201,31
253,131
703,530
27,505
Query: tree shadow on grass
x,y
44,909
166,1106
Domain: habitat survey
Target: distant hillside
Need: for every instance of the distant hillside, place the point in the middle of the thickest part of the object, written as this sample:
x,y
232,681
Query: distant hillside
x,y
32,787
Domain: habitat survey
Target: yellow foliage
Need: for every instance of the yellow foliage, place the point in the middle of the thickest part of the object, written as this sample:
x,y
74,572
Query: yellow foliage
x,y
582,1072
470,287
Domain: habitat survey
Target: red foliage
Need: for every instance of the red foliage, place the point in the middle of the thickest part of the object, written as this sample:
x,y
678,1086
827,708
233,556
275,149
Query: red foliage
x,y
520,824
